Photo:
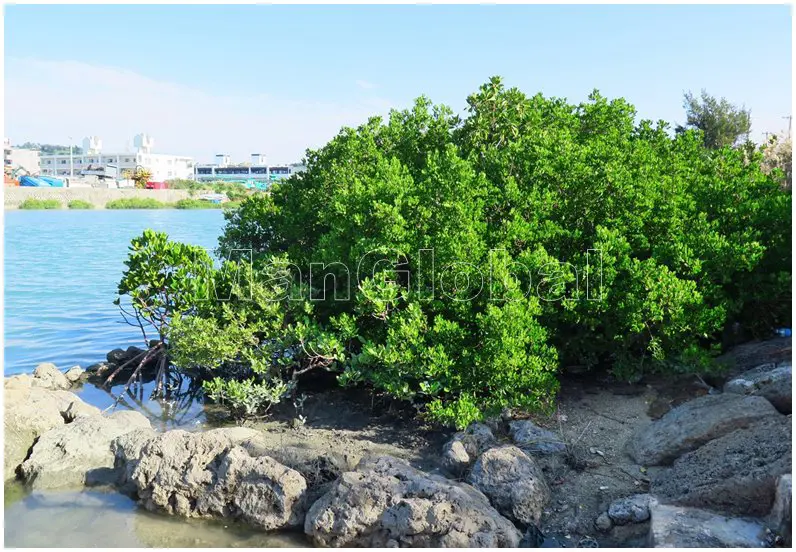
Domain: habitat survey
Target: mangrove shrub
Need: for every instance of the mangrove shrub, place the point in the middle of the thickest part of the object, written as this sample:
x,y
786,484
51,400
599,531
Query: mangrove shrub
x,y
460,262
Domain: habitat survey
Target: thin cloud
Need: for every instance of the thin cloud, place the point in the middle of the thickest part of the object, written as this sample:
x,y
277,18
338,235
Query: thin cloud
x,y
365,85
47,101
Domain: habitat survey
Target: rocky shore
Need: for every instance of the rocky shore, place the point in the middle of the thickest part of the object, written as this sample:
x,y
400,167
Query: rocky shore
x,y
714,470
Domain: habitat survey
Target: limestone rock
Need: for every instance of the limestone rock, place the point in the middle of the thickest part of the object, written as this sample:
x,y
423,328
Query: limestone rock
x,y
50,376
31,411
680,527
736,473
455,458
534,439
208,475
694,423
631,509
258,490
460,452
773,382
513,483
386,502
603,523
126,450
79,453
18,381
74,374
781,514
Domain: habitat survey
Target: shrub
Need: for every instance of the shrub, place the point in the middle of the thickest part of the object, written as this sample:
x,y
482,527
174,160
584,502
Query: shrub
x,y
561,235
32,203
135,203
80,204
196,204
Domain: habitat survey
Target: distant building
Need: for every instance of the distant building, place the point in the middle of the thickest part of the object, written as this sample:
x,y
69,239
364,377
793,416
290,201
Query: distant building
x,y
93,160
254,172
18,158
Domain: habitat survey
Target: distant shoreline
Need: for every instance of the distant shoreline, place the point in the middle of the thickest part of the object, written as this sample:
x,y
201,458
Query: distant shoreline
x,y
98,198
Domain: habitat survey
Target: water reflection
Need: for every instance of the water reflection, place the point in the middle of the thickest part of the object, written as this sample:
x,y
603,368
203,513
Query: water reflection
x,y
89,519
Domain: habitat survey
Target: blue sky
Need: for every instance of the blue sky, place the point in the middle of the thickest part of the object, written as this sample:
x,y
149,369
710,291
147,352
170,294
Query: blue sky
x,y
279,79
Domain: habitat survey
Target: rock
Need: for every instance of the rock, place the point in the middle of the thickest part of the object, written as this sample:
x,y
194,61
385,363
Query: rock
x,y
176,468
631,509
116,356
754,353
79,453
386,502
100,369
74,374
736,473
770,381
460,452
693,424
603,523
455,458
513,482
126,450
78,409
50,376
679,527
318,467
258,490
19,381
31,411
535,440
780,517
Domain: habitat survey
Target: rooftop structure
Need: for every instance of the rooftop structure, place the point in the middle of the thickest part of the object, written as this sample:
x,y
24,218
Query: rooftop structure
x,y
256,171
17,158
162,166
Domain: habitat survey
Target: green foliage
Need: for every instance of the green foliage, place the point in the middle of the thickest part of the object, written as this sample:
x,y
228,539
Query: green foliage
x,y
32,203
135,203
196,204
80,204
561,234
235,191
50,149
245,398
163,280
722,124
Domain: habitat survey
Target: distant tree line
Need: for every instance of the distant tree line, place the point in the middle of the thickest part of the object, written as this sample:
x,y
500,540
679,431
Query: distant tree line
x,y
50,149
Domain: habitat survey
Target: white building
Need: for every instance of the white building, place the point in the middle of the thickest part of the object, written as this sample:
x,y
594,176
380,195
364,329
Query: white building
x,y
18,158
256,172
162,166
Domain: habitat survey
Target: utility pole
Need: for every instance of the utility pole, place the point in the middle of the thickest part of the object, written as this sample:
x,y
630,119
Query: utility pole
x,y
790,120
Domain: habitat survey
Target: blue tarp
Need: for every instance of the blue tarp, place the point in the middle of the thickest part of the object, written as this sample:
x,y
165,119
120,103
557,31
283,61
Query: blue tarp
x,y
32,181
54,182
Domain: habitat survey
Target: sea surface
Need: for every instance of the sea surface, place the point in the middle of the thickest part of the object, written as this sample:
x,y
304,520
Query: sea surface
x,y
61,273
62,269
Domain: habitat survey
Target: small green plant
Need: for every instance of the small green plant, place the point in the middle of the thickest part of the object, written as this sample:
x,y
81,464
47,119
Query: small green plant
x,y
32,203
80,204
245,398
135,203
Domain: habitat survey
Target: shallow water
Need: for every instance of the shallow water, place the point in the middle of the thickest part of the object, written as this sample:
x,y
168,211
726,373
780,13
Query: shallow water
x,y
91,519
61,273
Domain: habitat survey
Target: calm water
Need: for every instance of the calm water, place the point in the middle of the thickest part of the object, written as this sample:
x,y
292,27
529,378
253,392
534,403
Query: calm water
x,y
95,519
61,272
